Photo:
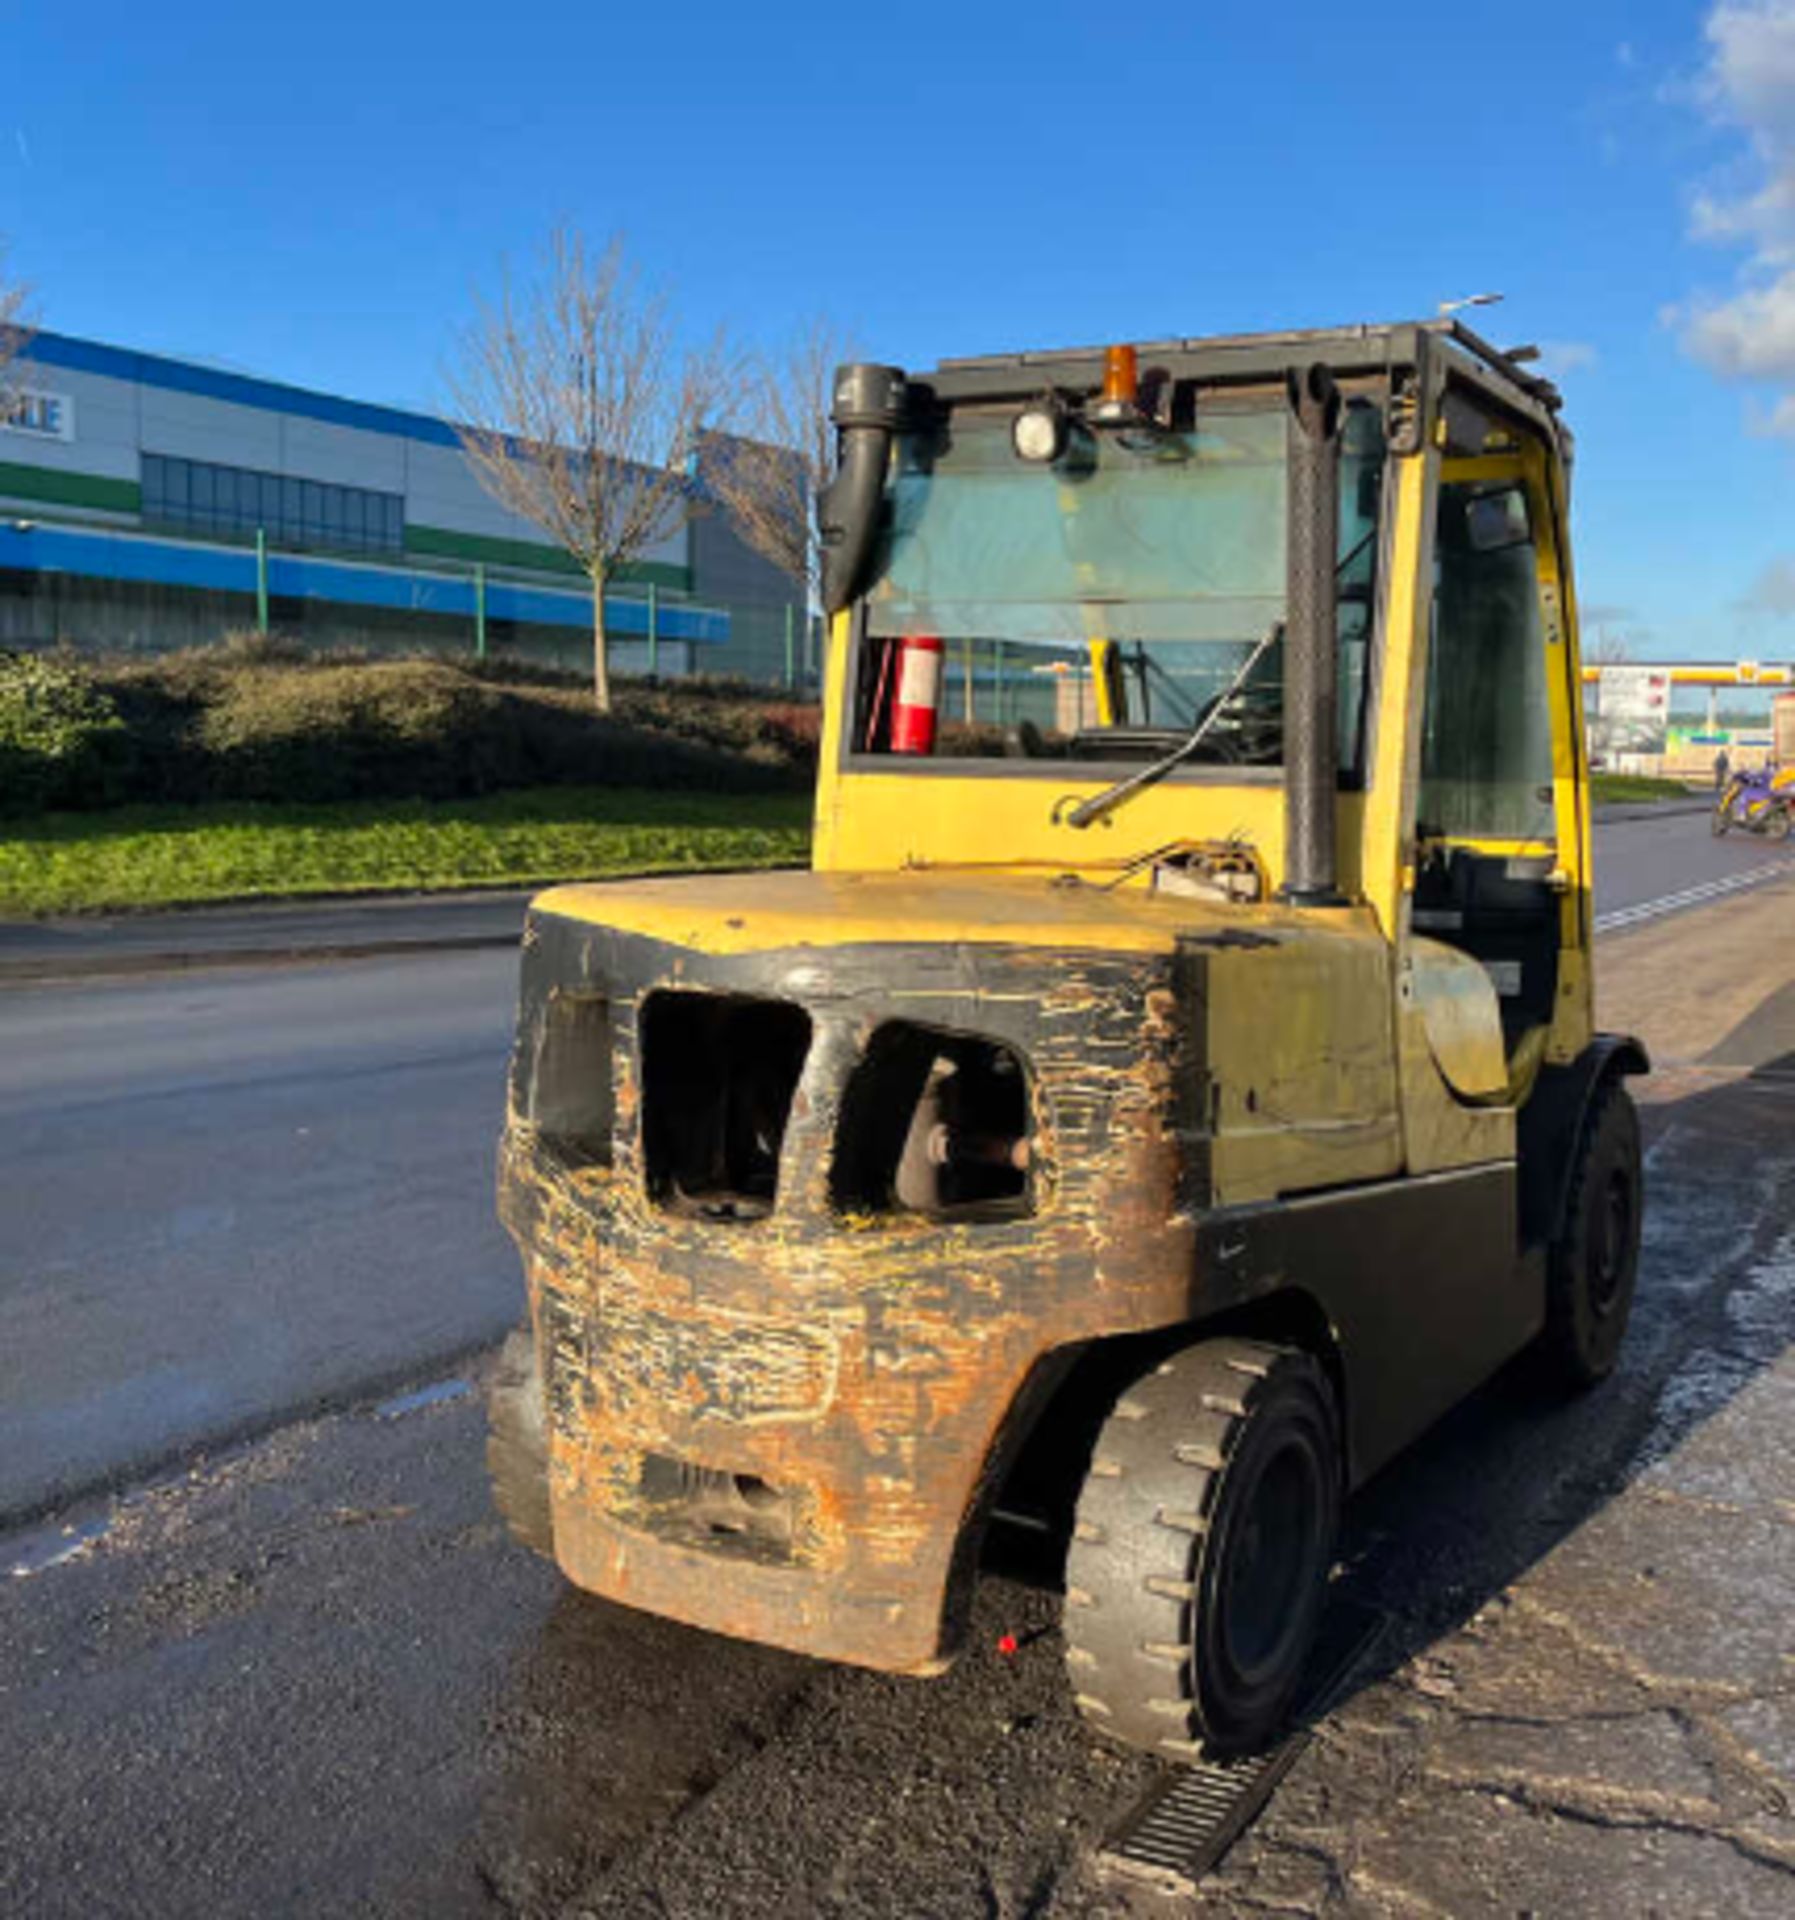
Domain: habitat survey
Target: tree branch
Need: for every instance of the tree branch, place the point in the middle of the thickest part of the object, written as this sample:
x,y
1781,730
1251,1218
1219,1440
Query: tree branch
x,y
767,478
579,407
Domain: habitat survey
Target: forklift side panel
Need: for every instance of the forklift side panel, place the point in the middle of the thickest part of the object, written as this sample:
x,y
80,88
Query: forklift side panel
x,y
1420,1282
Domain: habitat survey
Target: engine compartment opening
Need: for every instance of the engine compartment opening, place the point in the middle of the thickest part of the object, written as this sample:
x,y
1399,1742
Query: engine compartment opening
x,y
719,1072
934,1123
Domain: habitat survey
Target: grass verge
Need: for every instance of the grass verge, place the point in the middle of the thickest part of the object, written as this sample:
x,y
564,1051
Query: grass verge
x,y
1607,787
176,856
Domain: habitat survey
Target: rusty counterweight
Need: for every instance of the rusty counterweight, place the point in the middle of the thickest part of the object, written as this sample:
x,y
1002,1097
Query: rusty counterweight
x,y
781,1417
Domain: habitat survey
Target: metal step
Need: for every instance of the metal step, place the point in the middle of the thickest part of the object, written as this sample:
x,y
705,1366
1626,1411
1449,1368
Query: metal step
x,y
1187,1820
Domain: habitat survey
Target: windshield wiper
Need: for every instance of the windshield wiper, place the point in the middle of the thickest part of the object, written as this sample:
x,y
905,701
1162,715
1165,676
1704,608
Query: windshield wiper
x,y
1087,812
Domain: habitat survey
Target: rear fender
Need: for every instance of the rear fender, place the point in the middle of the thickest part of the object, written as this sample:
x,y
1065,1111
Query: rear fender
x,y
1053,1421
1552,1120
1040,1390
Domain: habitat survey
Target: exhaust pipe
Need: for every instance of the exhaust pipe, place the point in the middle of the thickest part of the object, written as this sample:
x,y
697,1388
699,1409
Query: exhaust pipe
x,y
1311,696
865,408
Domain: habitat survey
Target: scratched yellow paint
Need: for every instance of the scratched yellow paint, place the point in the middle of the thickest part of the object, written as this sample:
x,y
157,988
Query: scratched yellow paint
x,y
1302,1061
760,912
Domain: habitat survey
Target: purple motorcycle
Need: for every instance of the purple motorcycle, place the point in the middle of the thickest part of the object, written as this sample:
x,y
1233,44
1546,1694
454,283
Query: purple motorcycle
x,y
1758,801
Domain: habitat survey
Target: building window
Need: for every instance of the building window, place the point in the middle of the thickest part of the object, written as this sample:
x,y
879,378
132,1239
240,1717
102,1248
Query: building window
x,y
205,498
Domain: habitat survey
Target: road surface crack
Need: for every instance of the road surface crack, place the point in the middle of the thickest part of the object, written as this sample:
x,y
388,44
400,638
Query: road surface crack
x,y
1720,1692
1619,1815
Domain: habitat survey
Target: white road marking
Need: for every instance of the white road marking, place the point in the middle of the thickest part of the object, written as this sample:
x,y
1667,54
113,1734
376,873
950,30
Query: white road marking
x,y
1691,896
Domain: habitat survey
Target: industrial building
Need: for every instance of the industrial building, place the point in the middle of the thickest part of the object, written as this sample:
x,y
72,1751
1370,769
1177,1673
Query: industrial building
x,y
150,502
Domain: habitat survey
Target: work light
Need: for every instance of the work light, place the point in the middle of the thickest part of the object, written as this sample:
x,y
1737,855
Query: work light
x,y
1038,433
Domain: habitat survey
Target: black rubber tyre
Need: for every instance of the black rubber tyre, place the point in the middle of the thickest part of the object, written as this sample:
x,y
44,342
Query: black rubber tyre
x,y
1200,1554
1778,822
1594,1267
516,1445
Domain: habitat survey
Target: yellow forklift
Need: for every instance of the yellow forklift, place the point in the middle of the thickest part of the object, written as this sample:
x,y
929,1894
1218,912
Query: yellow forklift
x,y
1150,1115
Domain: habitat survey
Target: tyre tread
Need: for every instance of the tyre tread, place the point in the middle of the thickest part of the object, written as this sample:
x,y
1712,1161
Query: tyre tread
x,y
1559,1360
1180,1432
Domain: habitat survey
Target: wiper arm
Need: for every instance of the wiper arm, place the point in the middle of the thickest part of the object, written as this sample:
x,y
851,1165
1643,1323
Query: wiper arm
x,y
1087,812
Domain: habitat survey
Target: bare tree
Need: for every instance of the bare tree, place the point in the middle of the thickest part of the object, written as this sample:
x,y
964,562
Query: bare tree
x,y
1611,649
767,475
580,409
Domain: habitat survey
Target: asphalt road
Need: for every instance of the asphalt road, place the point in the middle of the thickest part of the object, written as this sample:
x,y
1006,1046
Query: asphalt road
x,y
235,1196
1641,861
231,1196
309,1674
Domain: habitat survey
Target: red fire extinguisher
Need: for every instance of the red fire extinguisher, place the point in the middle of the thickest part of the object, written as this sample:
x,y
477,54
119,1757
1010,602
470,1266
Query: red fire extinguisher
x,y
916,708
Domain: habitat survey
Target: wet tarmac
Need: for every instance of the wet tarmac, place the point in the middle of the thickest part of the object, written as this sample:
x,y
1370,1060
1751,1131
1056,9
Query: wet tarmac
x,y
312,1675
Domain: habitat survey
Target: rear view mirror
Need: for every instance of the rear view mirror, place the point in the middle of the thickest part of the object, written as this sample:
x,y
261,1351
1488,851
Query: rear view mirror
x,y
1496,520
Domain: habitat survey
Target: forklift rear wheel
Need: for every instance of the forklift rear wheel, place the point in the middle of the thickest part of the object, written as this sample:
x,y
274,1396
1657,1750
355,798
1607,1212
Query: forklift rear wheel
x,y
1199,1560
517,1446
1595,1261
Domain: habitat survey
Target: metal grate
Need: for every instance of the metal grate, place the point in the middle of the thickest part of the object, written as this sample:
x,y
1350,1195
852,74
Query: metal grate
x,y
1189,1818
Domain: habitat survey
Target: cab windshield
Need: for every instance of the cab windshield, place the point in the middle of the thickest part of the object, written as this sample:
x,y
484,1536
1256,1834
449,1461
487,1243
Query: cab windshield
x,y
1095,607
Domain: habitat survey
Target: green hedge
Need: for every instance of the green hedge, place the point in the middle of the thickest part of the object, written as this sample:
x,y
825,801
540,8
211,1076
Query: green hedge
x,y
60,735
263,720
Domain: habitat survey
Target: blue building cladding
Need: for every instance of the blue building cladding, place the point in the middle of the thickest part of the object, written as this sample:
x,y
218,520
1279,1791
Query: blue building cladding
x,y
241,389
31,547
133,484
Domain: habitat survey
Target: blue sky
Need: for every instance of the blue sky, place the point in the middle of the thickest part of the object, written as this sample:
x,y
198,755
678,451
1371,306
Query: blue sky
x,y
315,195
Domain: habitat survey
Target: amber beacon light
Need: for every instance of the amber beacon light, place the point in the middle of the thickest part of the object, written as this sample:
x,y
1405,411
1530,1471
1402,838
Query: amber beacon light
x,y
1121,378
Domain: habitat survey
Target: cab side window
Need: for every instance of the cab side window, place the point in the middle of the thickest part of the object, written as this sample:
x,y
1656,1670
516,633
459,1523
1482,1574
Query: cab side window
x,y
1486,750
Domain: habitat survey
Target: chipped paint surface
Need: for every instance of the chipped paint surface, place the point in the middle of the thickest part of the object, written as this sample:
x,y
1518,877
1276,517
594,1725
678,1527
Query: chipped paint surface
x,y
786,1426
938,906
861,1366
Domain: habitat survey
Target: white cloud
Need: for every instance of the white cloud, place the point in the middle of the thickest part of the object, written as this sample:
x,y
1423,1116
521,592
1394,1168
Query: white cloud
x,y
1776,421
1764,218
1559,357
1751,336
1749,86
1751,69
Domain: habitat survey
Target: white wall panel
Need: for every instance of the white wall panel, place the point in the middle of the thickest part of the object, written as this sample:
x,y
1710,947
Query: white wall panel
x,y
443,491
192,427
317,450
105,440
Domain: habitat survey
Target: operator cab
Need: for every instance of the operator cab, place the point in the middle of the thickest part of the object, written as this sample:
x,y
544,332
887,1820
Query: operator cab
x,y
1084,575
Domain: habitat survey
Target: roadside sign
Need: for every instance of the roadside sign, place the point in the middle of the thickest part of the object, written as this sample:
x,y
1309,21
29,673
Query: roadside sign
x,y
1634,707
